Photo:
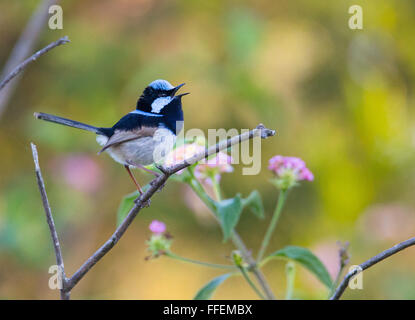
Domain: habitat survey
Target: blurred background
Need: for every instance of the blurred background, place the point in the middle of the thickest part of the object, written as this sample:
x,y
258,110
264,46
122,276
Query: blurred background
x,y
341,99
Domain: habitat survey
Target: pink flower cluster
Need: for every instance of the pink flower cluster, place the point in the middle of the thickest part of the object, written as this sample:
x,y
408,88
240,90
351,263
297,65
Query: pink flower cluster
x,y
206,170
281,165
181,153
213,167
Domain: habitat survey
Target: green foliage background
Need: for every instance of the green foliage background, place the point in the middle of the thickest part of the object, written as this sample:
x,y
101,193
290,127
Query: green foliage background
x,y
340,99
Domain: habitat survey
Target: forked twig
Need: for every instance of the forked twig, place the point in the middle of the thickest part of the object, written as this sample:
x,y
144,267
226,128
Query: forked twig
x,y
367,264
32,58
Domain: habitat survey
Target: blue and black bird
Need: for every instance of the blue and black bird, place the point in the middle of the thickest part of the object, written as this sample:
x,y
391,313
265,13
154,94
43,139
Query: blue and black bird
x,y
143,136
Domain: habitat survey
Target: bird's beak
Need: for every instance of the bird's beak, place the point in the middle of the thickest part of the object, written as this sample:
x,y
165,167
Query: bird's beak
x,y
183,94
175,89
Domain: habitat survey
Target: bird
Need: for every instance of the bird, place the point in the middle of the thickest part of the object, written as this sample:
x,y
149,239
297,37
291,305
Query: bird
x,y
145,135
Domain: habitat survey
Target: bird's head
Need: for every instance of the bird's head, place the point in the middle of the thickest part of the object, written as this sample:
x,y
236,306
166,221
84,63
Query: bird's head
x,y
158,95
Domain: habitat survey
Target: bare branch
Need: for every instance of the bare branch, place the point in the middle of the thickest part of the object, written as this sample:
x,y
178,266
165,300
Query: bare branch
x,y
29,60
155,185
23,47
367,264
58,253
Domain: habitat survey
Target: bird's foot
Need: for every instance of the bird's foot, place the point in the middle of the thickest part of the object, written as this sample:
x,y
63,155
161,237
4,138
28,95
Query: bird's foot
x,y
162,169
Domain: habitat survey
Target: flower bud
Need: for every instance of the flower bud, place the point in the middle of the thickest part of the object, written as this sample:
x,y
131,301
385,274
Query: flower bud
x,y
237,259
160,241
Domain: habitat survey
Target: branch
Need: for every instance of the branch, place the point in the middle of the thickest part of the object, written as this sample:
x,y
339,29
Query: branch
x,y
31,59
51,224
155,185
24,46
367,264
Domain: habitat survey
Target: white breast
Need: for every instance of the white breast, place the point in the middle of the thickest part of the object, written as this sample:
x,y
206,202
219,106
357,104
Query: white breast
x,y
144,151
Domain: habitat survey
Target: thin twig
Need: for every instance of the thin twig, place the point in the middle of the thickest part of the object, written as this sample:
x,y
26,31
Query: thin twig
x,y
32,58
367,264
58,253
24,47
156,184
344,258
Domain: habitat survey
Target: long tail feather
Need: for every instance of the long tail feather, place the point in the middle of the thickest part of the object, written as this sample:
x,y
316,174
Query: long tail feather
x,y
68,122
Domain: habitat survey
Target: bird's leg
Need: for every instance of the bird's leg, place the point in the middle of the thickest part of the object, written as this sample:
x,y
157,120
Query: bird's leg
x,y
132,177
156,174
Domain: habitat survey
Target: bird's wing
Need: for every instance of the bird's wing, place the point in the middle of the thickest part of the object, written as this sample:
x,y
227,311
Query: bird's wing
x,y
138,119
121,136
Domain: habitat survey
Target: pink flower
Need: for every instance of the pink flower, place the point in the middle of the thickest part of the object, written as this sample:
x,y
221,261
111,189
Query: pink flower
x,y
289,170
306,174
280,164
182,153
213,167
157,227
222,161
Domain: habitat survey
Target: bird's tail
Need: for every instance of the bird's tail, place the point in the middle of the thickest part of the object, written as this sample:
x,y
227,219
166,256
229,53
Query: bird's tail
x,y
69,123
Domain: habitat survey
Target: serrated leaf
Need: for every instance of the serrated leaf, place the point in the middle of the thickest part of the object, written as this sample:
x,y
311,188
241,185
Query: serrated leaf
x,y
254,203
229,211
206,292
125,206
307,259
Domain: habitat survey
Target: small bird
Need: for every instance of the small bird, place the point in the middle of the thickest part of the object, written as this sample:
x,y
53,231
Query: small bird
x,y
143,136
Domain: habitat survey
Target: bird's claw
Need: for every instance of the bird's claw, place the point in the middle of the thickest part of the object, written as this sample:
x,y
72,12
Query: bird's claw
x,y
162,169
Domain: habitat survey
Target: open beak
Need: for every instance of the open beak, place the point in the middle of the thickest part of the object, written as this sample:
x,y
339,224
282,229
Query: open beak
x,y
177,89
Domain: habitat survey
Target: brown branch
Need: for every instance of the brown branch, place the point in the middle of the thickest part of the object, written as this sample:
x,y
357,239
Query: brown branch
x,y
23,47
367,264
58,253
143,201
31,59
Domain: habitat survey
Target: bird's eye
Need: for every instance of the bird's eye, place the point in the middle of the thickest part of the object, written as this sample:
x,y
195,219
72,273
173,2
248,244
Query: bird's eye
x,y
162,94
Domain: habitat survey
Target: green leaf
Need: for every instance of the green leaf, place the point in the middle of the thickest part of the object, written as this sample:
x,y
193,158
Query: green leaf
x,y
254,203
206,292
229,211
307,259
125,206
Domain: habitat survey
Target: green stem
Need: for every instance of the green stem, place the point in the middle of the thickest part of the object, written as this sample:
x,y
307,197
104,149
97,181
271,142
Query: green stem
x,y
273,223
236,239
248,279
216,190
290,274
206,264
